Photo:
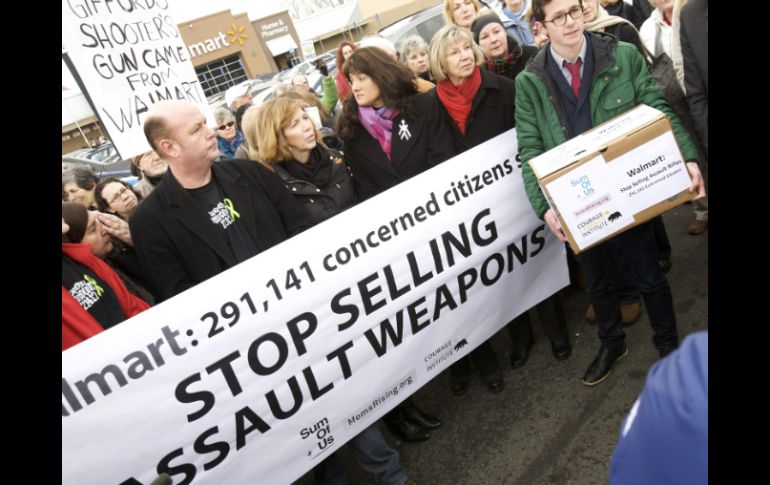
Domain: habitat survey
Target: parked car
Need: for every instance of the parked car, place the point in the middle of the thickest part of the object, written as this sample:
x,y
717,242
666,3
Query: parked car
x,y
103,160
424,23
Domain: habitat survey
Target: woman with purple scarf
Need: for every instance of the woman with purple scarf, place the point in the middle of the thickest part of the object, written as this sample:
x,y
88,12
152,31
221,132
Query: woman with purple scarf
x,y
391,133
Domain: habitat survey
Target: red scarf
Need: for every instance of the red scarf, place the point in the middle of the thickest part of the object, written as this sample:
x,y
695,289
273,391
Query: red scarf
x,y
458,99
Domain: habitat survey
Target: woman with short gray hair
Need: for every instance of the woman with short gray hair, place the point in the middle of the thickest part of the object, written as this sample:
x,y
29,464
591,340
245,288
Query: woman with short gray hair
x,y
414,53
229,138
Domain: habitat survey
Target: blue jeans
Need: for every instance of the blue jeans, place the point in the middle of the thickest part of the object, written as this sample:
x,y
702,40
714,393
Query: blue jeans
x,y
372,454
601,263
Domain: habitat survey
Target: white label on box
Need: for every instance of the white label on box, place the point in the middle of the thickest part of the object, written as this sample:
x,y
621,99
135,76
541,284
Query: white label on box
x,y
588,204
650,173
591,141
558,157
626,123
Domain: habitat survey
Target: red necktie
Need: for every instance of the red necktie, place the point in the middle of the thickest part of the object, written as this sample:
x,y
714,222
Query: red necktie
x,y
574,69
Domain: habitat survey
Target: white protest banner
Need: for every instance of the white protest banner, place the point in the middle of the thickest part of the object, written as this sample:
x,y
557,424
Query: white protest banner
x,y
257,374
129,56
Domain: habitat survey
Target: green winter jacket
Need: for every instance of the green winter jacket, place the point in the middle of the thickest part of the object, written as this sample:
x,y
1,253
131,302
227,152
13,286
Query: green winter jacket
x,y
621,81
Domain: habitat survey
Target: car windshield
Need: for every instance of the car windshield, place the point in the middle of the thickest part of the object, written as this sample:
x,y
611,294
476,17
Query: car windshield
x,y
102,154
424,24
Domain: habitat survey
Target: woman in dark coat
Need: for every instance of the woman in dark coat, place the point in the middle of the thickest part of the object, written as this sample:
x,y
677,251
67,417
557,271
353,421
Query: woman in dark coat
x,y
504,56
391,133
507,58
289,145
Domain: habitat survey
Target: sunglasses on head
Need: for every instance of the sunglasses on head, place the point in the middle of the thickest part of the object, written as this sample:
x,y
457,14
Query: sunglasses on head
x,y
226,126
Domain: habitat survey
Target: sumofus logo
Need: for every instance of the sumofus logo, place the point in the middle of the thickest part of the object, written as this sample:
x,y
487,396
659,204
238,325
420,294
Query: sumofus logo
x,y
583,186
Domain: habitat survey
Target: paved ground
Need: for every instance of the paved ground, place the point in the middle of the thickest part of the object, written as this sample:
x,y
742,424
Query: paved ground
x,y
546,427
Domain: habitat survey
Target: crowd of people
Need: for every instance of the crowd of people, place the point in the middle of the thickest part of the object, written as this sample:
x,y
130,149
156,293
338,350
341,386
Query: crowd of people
x,y
209,198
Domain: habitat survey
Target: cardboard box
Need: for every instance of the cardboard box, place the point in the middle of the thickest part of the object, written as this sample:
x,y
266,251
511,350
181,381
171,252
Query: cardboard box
x,y
614,177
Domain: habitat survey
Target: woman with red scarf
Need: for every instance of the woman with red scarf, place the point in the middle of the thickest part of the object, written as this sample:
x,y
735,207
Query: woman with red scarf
x,y
474,106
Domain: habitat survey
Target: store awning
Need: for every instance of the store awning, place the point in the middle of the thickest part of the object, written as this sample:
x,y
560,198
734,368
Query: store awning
x,y
281,44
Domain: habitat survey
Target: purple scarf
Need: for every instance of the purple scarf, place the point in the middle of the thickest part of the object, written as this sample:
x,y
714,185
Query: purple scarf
x,y
379,124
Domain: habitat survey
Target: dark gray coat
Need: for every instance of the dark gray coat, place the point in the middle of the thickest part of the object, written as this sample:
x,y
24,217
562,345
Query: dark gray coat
x,y
694,31
322,198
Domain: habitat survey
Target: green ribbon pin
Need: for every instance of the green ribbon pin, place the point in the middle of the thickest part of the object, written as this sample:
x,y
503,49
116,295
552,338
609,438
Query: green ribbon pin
x,y
99,290
233,213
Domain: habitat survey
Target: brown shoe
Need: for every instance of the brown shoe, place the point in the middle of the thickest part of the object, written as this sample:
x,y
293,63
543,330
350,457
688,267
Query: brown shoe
x,y
409,482
590,315
630,313
697,227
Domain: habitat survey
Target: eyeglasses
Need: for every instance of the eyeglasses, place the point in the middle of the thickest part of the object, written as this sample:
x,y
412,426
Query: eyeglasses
x,y
575,12
119,194
226,126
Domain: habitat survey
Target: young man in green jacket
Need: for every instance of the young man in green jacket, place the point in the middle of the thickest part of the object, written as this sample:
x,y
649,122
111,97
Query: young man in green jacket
x,y
575,82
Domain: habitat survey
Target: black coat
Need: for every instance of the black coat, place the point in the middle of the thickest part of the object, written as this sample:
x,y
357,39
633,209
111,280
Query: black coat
x,y
636,13
428,144
322,197
491,112
694,32
626,33
179,247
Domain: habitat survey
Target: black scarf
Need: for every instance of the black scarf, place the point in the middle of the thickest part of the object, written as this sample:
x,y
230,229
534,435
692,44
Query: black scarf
x,y
508,65
317,170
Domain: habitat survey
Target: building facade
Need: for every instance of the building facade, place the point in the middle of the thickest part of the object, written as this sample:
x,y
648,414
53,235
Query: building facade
x,y
227,49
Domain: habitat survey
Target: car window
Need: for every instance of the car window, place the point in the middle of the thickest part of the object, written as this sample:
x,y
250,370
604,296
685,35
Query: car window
x,y
428,28
102,154
402,39
424,24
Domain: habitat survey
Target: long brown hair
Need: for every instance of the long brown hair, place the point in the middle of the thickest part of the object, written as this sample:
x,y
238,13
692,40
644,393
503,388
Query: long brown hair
x,y
339,59
394,80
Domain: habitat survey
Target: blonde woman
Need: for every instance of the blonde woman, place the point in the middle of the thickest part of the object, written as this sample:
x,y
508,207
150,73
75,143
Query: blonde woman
x,y
461,13
288,143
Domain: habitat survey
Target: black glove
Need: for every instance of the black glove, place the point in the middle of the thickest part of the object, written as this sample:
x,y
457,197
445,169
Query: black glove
x,y
321,66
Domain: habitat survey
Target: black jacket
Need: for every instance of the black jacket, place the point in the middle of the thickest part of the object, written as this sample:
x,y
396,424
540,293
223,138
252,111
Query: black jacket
x,y
694,36
491,112
636,13
178,246
426,144
328,194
